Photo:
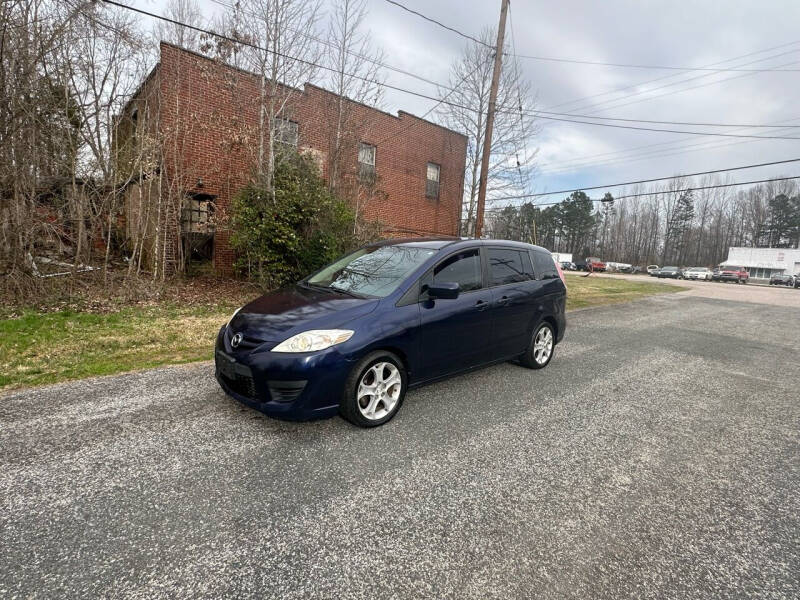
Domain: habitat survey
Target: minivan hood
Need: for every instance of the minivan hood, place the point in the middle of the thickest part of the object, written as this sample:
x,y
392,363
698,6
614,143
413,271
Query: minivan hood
x,y
282,313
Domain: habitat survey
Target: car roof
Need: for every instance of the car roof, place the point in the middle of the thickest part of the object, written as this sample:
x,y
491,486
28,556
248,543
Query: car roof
x,y
438,243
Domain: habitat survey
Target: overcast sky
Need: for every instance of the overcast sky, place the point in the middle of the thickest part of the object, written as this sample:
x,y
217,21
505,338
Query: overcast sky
x,y
700,33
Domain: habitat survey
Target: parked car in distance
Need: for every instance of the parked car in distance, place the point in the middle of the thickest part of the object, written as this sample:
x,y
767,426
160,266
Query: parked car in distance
x,y
353,337
595,264
652,270
617,267
797,280
782,279
580,265
568,266
728,273
670,272
701,273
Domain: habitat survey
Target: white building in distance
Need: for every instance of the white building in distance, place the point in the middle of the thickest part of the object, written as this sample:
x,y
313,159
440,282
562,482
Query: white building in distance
x,y
762,263
562,256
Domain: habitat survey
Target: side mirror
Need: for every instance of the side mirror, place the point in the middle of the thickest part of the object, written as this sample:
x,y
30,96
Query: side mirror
x,y
445,290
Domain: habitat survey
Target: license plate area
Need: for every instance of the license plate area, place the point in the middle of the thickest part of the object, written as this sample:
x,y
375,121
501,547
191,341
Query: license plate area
x,y
226,365
238,377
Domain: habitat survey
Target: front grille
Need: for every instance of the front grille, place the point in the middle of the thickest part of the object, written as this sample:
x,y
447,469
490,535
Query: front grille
x,y
241,384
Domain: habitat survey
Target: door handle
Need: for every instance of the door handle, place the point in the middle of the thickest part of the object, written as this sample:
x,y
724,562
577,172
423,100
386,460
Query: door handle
x,y
503,300
481,305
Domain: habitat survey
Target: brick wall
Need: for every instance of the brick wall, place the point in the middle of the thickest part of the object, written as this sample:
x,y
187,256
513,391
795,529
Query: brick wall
x,y
209,122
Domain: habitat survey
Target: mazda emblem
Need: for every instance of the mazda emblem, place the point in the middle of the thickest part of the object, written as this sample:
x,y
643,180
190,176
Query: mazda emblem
x,y
236,340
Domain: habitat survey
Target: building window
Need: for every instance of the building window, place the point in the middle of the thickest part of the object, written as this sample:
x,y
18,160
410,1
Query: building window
x,y
197,214
366,161
432,181
285,132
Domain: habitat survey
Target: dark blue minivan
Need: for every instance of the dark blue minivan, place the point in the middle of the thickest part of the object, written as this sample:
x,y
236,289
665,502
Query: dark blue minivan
x,y
353,337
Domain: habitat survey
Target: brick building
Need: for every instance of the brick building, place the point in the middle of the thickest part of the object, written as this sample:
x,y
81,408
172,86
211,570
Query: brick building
x,y
198,120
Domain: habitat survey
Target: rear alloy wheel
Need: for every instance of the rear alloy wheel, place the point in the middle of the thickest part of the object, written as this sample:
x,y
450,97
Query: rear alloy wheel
x,y
541,349
374,390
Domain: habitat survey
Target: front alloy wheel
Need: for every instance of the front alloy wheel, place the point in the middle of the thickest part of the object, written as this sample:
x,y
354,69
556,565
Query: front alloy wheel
x,y
541,349
379,390
374,390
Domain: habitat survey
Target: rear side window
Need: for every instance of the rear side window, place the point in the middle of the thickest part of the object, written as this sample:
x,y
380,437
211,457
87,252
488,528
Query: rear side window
x,y
463,268
544,265
508,266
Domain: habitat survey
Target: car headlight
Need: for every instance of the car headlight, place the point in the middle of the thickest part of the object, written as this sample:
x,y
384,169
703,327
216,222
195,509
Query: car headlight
x,y
236,312
316,339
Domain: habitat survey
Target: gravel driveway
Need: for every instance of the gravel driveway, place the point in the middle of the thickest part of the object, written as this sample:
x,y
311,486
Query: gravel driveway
x,y
751,292
657,456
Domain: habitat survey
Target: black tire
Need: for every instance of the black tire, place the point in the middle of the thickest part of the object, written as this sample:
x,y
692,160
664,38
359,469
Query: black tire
x,y
348,407
528,359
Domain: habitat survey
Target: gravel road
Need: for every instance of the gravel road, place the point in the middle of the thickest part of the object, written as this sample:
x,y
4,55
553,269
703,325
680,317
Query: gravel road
x,y
658,456
751,292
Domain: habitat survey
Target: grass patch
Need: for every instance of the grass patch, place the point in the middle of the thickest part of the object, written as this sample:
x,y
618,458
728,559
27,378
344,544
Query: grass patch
x,y
47,347
39,348
598,290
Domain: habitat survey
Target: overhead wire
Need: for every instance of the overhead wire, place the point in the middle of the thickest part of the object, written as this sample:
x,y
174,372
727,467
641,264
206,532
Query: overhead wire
x,y
407,91
662,192
440,24
380,63
659,149
441,100
637,66
651,180
664,77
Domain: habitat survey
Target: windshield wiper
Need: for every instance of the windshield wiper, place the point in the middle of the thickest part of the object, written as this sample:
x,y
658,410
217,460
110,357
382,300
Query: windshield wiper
x,y
315,286
348,292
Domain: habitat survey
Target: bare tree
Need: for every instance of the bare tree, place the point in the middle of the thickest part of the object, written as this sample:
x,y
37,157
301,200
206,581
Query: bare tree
x,y
184,11
284,56
355,66
511,161
36,124
103,64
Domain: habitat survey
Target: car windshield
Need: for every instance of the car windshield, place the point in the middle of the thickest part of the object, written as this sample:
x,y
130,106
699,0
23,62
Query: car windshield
x,y
371,272
670,269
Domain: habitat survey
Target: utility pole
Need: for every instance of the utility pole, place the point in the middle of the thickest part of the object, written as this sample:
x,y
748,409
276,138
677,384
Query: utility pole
x,y
487,139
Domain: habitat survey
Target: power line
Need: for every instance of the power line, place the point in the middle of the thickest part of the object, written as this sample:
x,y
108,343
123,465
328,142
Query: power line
x,y
453,90
693,188
333,45
277,53
693,87
613,185
418,94
519,102
537,112
440,24
704,133
663,67
660,153
663,77
710,187
695,123
591,159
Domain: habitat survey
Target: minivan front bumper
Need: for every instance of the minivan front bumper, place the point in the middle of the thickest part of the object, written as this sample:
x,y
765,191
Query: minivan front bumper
x,y
289,386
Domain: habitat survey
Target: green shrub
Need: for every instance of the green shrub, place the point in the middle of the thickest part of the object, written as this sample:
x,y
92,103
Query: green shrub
x,y
281,239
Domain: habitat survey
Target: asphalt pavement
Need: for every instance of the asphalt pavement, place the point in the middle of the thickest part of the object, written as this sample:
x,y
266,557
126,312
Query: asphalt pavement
x,y
658,456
